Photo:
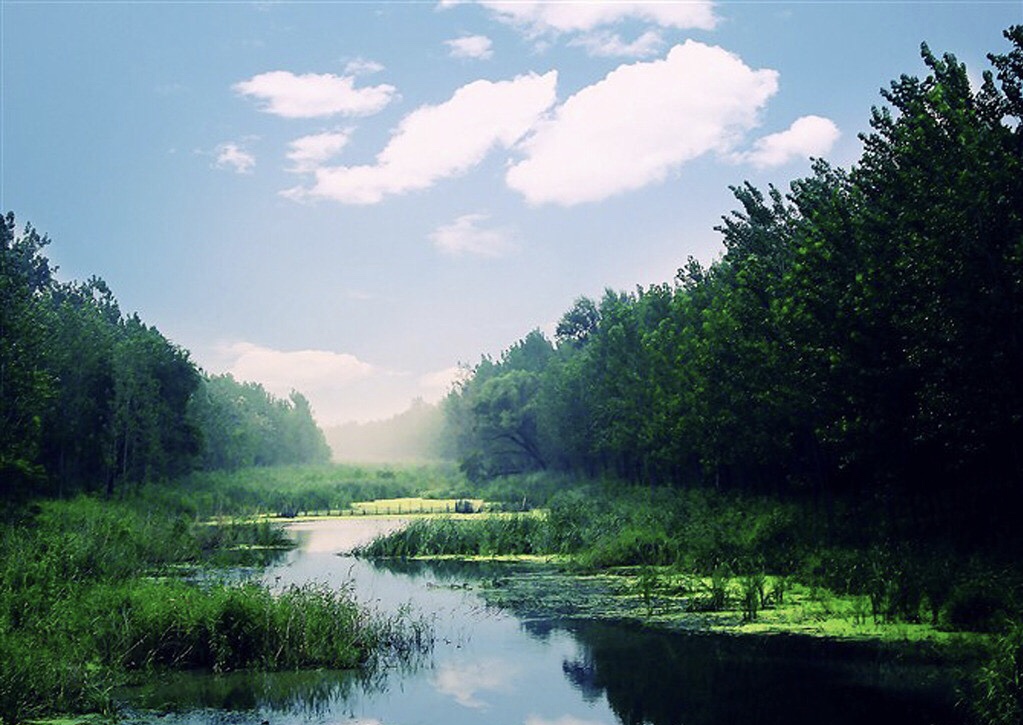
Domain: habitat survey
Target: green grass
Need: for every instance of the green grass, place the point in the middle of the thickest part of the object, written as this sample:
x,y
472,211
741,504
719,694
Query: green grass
x,y
92,591
470,536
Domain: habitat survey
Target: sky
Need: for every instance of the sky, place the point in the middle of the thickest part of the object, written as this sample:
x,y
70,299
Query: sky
x,y
352,199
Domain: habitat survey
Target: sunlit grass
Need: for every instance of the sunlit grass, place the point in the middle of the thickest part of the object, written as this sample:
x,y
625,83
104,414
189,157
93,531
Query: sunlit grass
x,y
416,505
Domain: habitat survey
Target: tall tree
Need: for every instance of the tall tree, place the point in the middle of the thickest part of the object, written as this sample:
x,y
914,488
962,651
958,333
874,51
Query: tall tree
x,y
26,387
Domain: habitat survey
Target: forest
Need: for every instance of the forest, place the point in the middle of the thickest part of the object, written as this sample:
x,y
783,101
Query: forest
x,y
97,400
861,336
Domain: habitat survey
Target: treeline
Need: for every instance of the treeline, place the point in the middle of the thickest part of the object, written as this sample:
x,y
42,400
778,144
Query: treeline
x,y
93,399
861,335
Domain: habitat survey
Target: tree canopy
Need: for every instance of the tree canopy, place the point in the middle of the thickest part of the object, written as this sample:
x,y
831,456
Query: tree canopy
x,y
862,332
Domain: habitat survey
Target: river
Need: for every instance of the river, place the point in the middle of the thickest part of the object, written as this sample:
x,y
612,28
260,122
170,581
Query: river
x,y
497,667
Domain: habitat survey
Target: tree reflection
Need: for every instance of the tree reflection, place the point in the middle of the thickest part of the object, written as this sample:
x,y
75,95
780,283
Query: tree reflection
x,y
670,679
311,693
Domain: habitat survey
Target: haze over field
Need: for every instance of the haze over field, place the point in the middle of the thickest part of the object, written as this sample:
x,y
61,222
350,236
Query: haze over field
x,y
351,199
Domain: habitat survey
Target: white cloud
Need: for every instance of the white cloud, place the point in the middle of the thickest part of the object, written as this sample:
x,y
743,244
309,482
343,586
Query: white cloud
x,y
465,236
641,122
611,45
309,152
807,136
234,157
362,67
281,371
313,95
437,142
478,47
543,18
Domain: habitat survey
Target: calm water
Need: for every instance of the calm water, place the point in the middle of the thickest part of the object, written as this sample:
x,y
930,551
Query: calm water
x,y
491,666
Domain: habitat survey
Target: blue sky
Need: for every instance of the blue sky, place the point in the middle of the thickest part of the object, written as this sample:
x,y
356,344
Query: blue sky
x,y
351,199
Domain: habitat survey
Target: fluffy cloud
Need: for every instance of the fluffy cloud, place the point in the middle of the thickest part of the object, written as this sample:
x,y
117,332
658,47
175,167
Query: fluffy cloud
x,y
280,371
807,136
541,18
234,157
314,95
477,47
437,142
465,236
639,123
611,45
309,152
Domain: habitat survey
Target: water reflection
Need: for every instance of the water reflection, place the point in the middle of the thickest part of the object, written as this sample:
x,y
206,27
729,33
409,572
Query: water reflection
x,y
313,693
670,679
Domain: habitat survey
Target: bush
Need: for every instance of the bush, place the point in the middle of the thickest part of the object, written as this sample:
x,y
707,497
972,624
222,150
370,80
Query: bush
x,y
979,604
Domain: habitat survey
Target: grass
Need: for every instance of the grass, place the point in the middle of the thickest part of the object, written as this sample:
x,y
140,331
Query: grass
x,y
766,560
416,505
488,536
92,593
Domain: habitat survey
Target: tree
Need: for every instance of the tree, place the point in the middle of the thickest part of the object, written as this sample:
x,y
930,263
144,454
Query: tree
x,y
579,323
26,387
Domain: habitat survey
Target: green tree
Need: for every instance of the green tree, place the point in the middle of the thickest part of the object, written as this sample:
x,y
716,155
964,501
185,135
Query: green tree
x,y
26,387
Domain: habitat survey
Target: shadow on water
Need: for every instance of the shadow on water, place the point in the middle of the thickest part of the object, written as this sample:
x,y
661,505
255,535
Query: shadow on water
x,y
670,679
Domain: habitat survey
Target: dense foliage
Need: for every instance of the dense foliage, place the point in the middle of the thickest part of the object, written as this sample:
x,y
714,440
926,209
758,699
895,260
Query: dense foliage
x,y
95,399
860,336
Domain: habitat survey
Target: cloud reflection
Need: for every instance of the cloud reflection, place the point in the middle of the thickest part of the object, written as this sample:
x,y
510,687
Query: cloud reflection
x,y
564,720
463,681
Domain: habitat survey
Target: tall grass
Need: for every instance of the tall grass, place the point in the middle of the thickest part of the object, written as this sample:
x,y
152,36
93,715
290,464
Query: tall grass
x,y
89,593
489,536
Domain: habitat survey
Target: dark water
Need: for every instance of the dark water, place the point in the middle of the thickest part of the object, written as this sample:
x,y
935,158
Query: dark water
x,y
491,666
